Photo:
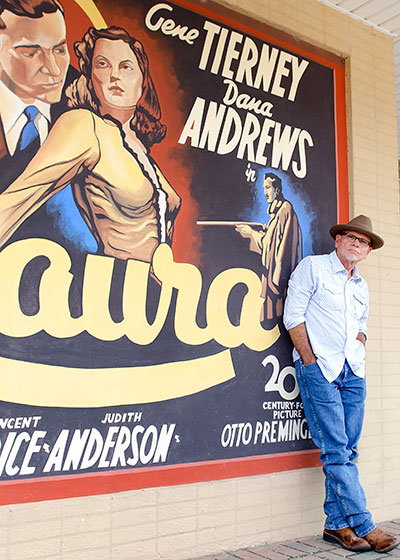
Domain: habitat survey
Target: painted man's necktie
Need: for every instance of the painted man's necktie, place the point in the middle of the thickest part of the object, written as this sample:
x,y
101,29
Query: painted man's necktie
x,y
28,144
29,134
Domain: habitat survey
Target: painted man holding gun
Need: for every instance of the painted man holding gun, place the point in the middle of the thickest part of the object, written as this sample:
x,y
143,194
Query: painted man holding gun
x,y
279,243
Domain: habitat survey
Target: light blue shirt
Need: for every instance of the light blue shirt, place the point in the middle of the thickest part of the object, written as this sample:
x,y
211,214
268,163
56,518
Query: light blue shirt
x,y
334,309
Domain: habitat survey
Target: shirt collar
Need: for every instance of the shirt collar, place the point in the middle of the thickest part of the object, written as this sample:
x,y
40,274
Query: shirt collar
x,y
12,107
274,207
337,266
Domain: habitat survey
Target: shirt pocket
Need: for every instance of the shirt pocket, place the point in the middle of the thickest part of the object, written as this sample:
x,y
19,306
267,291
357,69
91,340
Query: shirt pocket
x,y
359,305
330,297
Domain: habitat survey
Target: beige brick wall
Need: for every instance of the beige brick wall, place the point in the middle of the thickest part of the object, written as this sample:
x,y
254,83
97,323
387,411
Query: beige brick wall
x,y
180,522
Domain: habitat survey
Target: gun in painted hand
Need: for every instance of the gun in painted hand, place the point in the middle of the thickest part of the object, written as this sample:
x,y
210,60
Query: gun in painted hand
x,y
228,223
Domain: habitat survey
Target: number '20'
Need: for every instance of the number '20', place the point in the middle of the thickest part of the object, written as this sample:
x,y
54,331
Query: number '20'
x,y
277,379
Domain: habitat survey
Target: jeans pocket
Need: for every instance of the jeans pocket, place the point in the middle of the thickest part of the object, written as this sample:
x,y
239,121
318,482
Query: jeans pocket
x,y
312,370
310,366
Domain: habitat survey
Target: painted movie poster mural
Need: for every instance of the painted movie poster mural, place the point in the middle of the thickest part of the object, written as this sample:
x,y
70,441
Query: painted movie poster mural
x,y
164,167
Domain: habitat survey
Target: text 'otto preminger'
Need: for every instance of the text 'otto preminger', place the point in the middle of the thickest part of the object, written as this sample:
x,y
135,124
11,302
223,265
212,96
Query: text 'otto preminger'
x,y
247,433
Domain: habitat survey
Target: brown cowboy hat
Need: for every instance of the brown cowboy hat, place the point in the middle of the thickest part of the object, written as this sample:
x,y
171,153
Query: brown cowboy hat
x,y
360,224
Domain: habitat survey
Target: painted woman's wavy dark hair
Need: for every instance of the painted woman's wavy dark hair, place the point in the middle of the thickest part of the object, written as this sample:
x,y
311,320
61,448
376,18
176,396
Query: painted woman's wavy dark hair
x,y
146,119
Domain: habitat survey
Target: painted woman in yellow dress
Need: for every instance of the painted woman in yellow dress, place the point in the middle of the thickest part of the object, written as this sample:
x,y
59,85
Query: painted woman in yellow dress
x,y
101,147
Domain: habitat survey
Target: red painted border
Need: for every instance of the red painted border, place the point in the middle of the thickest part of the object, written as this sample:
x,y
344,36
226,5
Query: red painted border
x,y
341,146
72,486
58,487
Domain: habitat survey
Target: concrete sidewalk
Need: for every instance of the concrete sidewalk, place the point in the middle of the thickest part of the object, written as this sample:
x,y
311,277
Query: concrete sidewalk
x,y
309,548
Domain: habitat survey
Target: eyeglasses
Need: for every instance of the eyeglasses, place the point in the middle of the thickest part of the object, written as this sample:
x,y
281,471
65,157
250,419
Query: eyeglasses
x,y
363,242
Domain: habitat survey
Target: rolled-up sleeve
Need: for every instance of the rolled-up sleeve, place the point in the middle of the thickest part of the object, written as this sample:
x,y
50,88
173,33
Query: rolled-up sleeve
x,y
300,290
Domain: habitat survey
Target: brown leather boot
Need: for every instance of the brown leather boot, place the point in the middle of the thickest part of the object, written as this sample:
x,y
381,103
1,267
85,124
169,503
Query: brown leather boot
x,y
381,541
347,539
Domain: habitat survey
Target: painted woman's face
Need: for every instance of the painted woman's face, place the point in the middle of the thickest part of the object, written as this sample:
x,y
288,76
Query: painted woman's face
x,y
116,76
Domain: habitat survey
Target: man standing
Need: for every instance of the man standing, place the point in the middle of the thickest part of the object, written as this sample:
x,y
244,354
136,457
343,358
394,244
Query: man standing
x,y
326,312
279,243
33,65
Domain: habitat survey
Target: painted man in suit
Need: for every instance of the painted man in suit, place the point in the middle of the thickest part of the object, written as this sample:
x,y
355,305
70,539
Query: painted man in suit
x,y
279,243
34,67
34,61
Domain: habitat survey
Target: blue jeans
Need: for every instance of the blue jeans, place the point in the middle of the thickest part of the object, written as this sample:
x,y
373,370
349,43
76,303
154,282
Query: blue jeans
x,y
335,413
